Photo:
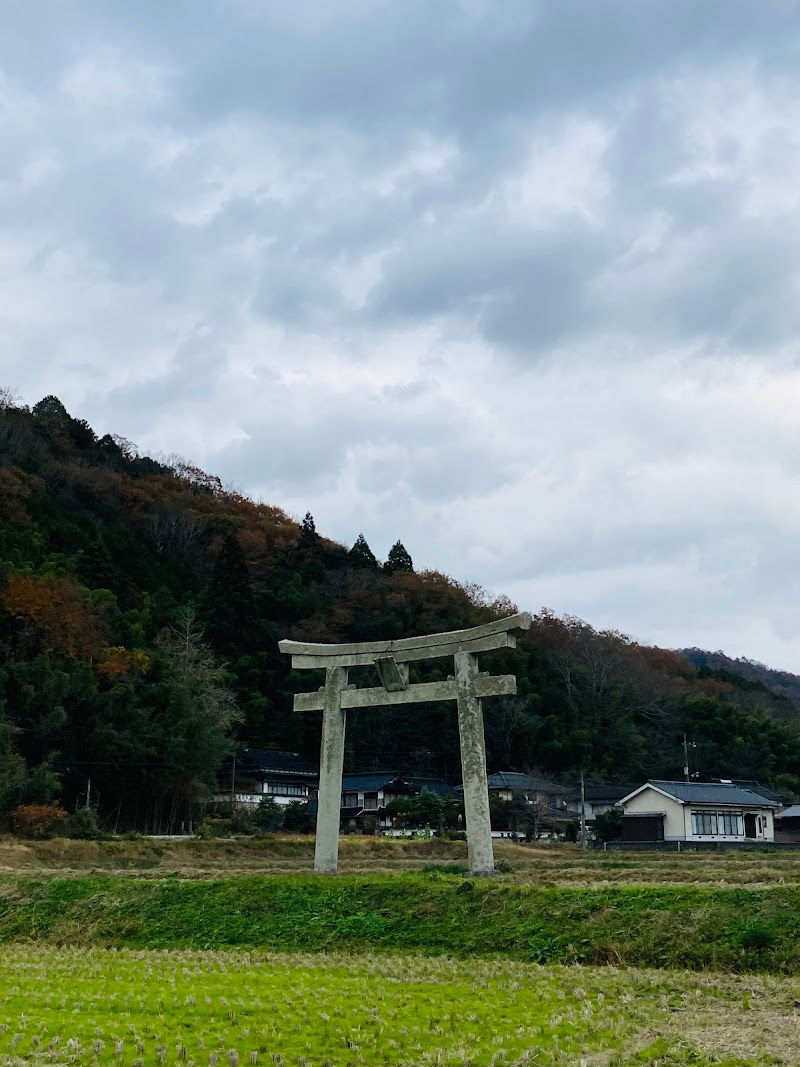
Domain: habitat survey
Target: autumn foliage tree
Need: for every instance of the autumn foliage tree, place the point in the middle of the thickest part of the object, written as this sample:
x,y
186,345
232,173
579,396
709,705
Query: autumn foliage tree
x,y
58,610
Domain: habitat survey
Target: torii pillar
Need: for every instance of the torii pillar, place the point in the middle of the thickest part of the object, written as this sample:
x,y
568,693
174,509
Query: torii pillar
x,y
391,658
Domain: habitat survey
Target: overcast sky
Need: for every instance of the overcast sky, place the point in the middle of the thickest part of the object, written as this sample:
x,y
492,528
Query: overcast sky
x,y
516,282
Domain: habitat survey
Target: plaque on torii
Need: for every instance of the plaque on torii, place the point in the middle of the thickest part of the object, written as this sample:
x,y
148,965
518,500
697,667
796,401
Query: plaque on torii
x,y
391,658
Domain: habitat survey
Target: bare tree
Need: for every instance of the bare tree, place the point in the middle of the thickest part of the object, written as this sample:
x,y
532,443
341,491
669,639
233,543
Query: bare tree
x,y
9,398
198,667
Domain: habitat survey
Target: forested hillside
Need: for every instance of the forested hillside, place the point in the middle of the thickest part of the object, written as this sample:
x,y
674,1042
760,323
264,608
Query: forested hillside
x,y
140,607
717,664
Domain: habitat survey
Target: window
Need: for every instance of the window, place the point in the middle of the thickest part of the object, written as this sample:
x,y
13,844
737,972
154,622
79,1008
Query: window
x,y
729,823
704,822
280,789
349,800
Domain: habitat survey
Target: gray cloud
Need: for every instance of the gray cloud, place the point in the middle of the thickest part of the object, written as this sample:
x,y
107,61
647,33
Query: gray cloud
x,y
516,283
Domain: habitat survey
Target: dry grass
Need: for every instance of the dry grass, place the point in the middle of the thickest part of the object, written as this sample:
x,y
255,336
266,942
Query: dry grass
x,y
563,865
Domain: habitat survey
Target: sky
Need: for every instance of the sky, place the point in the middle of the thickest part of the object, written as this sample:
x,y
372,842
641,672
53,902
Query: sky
x,y
516,282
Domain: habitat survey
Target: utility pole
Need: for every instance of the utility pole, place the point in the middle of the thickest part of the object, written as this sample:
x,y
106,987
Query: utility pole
x,y
686,746
584,841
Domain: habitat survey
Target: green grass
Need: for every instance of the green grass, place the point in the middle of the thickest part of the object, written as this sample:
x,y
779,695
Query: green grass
x,y
136,1009
744,930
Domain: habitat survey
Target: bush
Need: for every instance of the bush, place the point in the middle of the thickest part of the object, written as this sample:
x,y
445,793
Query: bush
x,y
212,827
608,825
242,822
297,820
268,816
83,825
39,821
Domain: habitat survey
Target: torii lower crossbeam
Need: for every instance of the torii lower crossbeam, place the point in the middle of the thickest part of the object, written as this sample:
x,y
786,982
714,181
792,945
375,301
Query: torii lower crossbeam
x,y
466,687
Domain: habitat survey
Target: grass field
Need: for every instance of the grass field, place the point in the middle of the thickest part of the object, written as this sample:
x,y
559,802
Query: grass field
x,y
563,865
133,1009
144,952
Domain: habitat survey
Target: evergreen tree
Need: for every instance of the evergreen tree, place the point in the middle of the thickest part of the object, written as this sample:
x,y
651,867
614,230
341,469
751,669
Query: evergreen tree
x,y
399,559
361,554
308,530
308,554
229,601
50,409
95,567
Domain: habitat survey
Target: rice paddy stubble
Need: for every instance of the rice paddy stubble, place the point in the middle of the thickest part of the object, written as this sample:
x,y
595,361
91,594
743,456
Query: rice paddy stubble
x,y
215,1009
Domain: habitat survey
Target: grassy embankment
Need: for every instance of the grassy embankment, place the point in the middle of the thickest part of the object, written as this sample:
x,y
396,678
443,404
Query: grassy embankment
x,y
745,930
137,1009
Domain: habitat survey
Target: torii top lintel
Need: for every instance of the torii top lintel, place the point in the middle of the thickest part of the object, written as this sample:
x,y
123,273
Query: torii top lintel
x,y
408,649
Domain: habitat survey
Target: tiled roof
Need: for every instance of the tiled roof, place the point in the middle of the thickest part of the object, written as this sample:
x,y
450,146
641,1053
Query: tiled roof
x,y
269,760
368,783
435,785
516,780
521,783
372,782
712,793
561,815
599,793
792,812
761,790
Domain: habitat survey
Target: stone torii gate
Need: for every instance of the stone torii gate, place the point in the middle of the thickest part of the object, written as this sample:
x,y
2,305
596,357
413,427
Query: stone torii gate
x,y
391,659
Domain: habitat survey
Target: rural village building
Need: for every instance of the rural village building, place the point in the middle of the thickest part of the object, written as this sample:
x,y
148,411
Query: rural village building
x,y
598,798
552,801
255,773
510,784
697,812
366,795
787,825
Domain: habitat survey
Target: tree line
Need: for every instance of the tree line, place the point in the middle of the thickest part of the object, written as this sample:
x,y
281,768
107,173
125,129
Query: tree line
x,y
141,602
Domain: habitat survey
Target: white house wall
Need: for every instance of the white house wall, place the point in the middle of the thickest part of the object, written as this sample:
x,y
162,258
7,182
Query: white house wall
x,y
678,817
650,802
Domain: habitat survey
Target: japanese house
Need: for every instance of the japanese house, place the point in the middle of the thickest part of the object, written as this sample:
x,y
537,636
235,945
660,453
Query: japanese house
x,y
697,812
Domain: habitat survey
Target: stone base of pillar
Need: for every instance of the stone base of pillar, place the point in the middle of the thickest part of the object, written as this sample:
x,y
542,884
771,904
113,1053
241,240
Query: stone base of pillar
x,y
483,874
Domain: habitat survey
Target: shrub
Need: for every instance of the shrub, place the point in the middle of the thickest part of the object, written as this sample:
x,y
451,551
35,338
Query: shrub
x,y
212,827
268,816
242,822
83,824
39,821
608,825
297,820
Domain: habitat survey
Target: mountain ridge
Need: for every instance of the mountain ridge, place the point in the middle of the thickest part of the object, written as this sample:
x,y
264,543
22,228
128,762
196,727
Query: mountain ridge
x,y
141,602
